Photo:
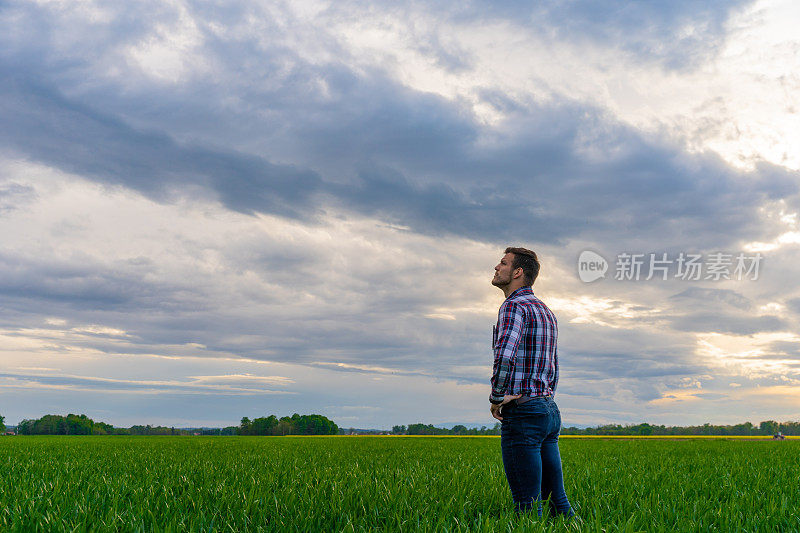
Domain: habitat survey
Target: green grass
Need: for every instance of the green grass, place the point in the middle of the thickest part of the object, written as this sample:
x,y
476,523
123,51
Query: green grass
x,y
386,484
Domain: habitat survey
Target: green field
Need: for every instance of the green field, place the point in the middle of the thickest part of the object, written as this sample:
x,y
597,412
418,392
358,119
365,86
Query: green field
x,y
387,484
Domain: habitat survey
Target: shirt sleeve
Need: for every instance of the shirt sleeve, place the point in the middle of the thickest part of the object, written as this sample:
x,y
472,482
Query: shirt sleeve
x,y
509,333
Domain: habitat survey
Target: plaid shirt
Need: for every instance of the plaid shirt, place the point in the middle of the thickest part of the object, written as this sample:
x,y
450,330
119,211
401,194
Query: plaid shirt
x,y
524,344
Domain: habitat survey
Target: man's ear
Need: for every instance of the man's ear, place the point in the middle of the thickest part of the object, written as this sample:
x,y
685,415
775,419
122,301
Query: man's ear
x,y
518,272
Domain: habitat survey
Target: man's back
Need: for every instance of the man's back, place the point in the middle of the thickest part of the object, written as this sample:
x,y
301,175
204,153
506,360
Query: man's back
x,y
525,347
523,384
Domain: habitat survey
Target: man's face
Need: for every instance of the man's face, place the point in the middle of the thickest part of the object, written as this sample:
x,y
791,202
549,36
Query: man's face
x,y
503,271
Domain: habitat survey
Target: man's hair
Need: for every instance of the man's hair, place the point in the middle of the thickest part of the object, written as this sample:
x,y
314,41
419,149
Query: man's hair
x,y
527,261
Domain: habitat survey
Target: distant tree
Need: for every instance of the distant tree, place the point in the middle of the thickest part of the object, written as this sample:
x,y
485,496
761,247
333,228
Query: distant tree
x,y
288,425
741,429
2,424
284,426
79,425
459,429
769,427
264,425
154,430
315,425
50,425
71,424
101,428
426,429
25,427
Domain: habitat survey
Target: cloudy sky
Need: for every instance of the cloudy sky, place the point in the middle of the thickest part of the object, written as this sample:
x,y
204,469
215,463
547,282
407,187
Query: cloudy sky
x,y
211,210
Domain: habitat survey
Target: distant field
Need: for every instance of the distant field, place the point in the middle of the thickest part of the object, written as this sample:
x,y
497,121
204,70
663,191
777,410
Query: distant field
x,y
387,484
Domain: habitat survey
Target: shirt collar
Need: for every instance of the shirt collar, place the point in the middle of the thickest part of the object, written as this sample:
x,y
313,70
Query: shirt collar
x,y
520,291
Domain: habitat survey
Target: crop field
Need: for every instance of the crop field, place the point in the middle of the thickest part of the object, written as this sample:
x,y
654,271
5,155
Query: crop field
x,y
387,484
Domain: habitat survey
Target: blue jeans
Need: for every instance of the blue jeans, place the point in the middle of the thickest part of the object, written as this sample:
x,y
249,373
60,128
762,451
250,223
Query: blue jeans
x,y
529,440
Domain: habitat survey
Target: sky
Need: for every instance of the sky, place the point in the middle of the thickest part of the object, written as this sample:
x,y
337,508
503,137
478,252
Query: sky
x,y
211,210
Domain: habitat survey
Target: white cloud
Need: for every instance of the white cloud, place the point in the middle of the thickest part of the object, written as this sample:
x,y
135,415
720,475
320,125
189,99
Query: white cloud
x,y
172,51
740,103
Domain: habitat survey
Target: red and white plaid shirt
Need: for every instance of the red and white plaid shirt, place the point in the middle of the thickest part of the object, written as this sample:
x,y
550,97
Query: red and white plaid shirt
x,y
524,344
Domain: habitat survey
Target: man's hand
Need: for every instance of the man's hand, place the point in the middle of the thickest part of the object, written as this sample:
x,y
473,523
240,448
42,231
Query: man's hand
x,y
496,407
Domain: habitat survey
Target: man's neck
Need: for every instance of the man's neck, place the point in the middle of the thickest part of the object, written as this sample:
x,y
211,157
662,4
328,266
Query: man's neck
x,y
511,287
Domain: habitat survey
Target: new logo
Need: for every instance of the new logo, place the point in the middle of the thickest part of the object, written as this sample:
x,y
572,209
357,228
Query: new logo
x,y
591,266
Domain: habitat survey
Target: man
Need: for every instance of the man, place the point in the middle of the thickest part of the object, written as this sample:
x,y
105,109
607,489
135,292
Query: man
x,y
523,384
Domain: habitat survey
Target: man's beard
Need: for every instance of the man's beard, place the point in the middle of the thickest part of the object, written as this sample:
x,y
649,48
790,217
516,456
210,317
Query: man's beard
x,y
500,282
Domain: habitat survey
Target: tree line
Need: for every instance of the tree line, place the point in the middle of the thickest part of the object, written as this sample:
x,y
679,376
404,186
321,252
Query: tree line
x,y
313,424
429,429
64,425
83,425
288,425
73,424
765,428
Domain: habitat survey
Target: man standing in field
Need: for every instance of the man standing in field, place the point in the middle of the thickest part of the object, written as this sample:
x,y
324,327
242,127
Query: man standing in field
x,y
523,384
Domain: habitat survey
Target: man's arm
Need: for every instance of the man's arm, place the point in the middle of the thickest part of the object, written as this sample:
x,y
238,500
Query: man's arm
x,y
509,334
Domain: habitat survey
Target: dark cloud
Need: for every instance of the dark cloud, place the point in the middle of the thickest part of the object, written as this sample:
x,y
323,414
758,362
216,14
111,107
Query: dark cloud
x,y
537,185
81,283
706,295
794,304
72,137
631,364
782,350
354,138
